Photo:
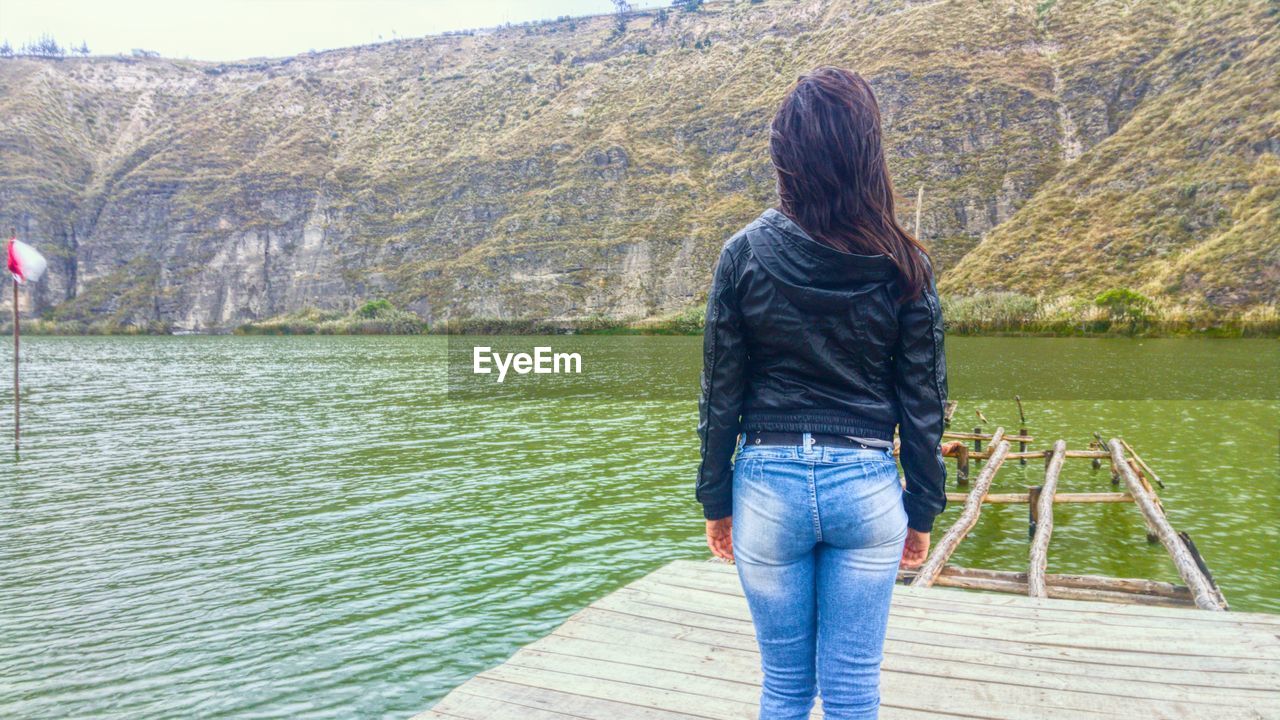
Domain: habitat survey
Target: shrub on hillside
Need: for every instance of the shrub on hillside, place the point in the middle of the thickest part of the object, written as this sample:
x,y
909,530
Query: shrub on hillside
x,y
1125,305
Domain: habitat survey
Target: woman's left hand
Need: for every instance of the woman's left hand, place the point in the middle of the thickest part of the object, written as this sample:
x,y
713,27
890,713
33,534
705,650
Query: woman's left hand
x,y
720,538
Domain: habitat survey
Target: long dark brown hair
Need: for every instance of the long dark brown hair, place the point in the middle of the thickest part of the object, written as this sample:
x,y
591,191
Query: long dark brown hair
x,y
832,177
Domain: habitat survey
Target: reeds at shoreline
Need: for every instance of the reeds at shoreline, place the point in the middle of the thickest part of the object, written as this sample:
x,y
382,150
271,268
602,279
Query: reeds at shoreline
x,y
1112,314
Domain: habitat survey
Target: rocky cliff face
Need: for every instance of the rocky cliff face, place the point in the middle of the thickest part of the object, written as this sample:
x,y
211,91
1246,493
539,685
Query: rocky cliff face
x,y
561,171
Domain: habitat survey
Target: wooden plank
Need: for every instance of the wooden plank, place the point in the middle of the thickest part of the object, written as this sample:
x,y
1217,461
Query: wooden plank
x,y
1206,596
720,571
643,596
668,691
655,663
523,696
968,517
693,624
1255,622
1142,463
512,702
649,598
1121,585
1017,583
902,638
1241,648
962,603
1021,587
607,645
1039,555
984,436
1140,682
1087,454
706,696
727,585
1024,498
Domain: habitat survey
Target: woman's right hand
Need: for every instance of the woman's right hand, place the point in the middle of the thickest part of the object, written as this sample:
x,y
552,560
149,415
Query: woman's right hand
x,y
915,549
720,538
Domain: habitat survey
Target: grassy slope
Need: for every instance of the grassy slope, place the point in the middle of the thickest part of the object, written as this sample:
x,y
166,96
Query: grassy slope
x,y
1182,202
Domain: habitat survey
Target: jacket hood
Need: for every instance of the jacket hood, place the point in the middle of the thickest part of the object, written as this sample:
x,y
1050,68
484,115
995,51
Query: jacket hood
x,y
810,273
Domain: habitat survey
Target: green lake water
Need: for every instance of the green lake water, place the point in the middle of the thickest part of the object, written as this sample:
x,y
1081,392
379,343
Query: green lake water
x,y
339,527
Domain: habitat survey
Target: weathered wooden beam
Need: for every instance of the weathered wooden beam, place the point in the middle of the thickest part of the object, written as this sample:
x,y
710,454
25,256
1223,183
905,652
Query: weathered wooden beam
x,y
1024,498
1204,567
1012,455
983,436
1045,453
1096,454
1129,449
1044,522
968,517
1098,582
949,411
1205,594
1068,587
1152,535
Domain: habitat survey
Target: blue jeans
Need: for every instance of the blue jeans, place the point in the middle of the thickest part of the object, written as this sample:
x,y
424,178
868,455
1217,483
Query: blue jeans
x,y
817,538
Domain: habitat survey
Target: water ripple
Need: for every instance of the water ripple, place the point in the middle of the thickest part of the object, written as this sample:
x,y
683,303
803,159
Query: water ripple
x,y
314,528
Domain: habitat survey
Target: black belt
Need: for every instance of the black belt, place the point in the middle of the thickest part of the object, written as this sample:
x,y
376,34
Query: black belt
x,y
767,437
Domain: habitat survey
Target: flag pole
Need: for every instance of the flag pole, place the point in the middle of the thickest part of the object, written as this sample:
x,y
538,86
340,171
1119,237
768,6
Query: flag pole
x,y
14,270
16,333
25,264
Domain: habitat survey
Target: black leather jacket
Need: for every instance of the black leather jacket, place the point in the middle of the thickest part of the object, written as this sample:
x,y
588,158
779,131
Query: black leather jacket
x,y
801,337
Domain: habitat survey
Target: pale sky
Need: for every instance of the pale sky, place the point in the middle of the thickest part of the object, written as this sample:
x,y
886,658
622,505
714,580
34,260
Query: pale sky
x,y
237,29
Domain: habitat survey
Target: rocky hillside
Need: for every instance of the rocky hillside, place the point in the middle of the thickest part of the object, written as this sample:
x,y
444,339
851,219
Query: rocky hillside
x,y
562,170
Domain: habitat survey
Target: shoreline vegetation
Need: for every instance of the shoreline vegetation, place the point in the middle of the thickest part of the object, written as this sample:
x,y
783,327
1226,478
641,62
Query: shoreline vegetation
x,y
1115,313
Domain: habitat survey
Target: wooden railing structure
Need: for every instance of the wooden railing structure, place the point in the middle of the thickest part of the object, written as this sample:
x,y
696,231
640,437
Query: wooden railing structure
x,y
1198,590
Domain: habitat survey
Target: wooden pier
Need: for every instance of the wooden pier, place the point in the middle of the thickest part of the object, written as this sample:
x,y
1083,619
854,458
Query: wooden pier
x,y
678,644
1199,589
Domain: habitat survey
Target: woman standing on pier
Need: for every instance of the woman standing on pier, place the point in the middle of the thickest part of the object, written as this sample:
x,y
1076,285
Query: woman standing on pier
x,y
823,334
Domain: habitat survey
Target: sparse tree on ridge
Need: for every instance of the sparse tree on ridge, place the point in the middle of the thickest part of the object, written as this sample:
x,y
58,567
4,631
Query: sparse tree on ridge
x,y
620,10
6,50
45,46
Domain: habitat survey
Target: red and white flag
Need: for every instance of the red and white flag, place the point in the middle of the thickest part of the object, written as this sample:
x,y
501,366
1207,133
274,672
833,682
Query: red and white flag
x,y
25,262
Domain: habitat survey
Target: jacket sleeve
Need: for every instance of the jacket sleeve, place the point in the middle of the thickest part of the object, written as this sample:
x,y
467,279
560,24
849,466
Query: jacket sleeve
x,y
920,376
722,380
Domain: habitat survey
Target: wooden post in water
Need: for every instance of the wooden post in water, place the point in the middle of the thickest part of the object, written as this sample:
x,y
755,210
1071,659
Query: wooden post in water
x,y
1097,462
1022,429
1033,508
